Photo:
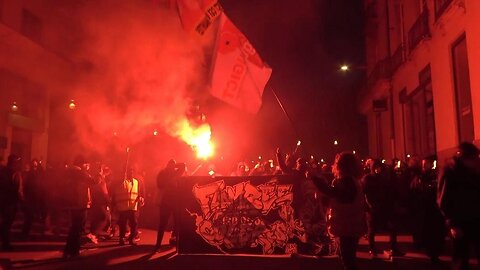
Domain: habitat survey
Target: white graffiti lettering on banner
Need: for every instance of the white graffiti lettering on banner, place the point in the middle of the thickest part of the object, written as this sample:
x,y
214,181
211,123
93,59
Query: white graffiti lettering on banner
x,y
234,217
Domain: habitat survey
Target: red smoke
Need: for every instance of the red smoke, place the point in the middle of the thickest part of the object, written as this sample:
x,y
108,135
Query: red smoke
x,y
144,72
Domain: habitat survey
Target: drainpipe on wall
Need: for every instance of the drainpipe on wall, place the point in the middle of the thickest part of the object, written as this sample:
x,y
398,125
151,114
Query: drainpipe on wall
x,y
390,87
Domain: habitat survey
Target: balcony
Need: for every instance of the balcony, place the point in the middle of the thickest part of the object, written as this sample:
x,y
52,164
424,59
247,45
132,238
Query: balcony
x,y
398,58
382,70
441,6
376,85
419,30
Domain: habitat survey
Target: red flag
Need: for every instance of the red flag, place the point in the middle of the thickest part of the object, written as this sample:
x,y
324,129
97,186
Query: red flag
x,y
239,74
198,15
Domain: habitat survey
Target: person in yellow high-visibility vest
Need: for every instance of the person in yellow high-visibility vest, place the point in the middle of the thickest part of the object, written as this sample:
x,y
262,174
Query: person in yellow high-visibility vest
x,y
127,199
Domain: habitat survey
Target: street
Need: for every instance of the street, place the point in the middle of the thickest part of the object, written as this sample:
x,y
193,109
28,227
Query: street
x,y
45,252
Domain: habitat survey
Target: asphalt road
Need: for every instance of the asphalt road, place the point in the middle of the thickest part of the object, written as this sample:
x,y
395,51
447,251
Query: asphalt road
x,y
45,252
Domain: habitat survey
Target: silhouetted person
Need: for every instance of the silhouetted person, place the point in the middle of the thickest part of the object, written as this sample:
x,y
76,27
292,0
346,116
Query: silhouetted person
x,y
79,182
100,200
286,163
430,222
35,196
167,190
347,205
459,199
241,170
411,176
379,195
11,193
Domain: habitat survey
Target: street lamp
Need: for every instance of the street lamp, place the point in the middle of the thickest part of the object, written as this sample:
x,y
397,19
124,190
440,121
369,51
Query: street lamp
x,y
346,68
14,106
72,105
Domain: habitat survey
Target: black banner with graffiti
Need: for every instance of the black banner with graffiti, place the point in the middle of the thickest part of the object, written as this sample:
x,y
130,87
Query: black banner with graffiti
x,y
233,215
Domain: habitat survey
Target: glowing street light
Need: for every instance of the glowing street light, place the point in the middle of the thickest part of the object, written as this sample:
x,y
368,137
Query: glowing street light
x,y
335,142
155,132
354,152
72,105
260,157
14,106
346,68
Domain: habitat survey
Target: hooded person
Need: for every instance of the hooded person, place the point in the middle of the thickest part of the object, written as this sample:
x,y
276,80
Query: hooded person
x,y
11,193
458,196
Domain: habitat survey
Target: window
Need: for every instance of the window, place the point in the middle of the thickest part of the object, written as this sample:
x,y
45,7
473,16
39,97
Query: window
x,y
21,143
31,26
463,95
419,119
379,133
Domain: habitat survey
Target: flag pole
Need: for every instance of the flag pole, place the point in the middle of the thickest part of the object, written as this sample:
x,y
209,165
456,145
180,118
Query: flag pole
x,y
287,116
126,161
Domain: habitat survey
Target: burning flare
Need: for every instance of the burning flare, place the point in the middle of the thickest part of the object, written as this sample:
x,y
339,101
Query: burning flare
x,y
199,138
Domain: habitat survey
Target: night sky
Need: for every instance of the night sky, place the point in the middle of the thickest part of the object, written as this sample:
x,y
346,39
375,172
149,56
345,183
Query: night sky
x,y
305,42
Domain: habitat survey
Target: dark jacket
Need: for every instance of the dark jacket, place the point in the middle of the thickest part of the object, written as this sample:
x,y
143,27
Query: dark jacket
x,y
167,178
458,193
11,186
378,192
79,183
347,205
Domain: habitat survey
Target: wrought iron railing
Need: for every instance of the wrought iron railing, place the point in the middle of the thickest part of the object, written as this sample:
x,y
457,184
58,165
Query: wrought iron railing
x,y
382,70
441,6
419,30
398,57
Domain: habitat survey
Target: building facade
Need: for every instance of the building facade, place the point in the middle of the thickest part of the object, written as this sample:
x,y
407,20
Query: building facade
x,y
31,68
422,95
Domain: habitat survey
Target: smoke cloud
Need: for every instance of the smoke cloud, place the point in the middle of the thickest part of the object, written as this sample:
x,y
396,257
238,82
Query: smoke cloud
x,y
141,72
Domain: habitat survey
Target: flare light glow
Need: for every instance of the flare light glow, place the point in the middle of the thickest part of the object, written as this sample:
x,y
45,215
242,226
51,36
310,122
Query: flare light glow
x,y
199,138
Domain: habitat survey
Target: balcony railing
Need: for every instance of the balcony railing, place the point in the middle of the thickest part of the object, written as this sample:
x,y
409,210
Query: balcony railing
x,y
398,57
382,70
441,6
419,30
